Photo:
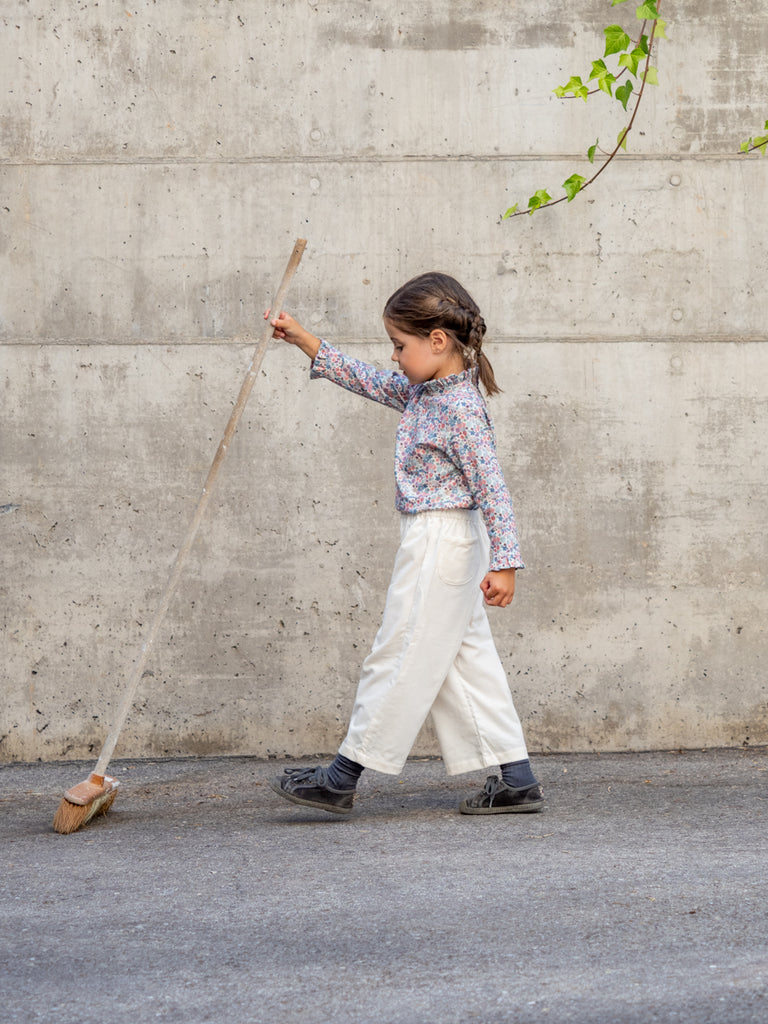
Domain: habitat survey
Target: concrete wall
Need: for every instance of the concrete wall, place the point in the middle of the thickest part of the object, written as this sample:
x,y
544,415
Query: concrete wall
x,y
158,161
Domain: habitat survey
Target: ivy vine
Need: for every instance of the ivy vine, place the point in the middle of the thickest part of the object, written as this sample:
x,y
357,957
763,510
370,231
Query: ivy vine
x,y
759,142
630,67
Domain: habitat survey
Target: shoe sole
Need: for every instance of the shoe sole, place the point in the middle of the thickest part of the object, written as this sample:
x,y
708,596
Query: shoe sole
x,y
277,788
531,808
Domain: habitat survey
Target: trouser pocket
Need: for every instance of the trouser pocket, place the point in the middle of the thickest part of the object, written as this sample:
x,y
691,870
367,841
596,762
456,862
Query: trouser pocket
x,y
456,561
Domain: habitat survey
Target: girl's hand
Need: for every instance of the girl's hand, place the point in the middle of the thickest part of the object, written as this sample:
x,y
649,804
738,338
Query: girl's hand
x,y
499,587
290,330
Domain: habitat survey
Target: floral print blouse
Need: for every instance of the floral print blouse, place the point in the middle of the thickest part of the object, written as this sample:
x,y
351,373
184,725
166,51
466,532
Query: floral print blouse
x,y
445,450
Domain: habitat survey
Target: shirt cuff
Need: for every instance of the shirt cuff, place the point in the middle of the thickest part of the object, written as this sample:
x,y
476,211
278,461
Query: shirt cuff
x,y
319,365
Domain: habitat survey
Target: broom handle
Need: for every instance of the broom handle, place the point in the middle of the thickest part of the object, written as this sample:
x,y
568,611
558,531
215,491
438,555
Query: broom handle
x,y
250,378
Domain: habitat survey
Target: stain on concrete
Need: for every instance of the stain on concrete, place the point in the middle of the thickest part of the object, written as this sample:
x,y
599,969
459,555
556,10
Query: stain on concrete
x,y
453,35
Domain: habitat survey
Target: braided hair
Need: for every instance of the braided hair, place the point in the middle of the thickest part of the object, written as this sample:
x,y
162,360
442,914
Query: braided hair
x,y
436,301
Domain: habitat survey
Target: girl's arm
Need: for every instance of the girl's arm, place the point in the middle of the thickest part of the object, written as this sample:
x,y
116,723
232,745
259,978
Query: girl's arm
x,y
290,330
473,449
384,386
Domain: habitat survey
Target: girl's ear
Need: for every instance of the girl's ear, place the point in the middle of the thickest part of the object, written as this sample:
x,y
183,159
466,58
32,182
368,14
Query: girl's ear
x,y
439,341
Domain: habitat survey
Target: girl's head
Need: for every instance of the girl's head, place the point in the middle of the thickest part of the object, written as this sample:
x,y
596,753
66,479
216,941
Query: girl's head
x,y
436,302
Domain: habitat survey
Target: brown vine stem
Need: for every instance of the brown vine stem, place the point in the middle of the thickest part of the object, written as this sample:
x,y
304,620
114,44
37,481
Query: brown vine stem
x,y
622,137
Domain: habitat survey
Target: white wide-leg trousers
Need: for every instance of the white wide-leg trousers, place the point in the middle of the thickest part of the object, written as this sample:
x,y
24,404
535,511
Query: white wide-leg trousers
x,y
434,652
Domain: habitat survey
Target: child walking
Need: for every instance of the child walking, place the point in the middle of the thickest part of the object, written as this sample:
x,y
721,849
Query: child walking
x,y
434,651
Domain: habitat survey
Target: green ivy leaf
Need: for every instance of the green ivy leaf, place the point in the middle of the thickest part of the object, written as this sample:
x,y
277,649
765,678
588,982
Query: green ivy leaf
x,y
607,83
623,93
759,142
616,40
604,77
510,211
660,26
575,86
647,11
614,2
622,138
573,185
631,61
539,198
651,76
593,149
626,60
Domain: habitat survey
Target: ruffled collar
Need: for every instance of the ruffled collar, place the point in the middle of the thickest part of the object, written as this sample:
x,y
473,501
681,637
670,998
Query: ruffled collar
x,y
443,384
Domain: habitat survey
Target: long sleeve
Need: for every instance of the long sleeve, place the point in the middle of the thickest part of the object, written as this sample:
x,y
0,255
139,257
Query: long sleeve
x,y
473,448
384,386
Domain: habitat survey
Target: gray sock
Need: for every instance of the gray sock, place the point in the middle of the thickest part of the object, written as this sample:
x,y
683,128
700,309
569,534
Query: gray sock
x,y
518,774
343,773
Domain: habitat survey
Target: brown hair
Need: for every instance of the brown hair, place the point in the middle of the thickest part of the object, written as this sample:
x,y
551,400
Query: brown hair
x,y
436,301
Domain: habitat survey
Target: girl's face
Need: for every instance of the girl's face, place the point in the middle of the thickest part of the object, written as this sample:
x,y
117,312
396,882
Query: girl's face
x,y
422,359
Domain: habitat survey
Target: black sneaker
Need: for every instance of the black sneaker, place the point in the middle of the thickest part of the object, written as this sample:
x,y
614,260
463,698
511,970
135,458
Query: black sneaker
x,y
309,787
496,797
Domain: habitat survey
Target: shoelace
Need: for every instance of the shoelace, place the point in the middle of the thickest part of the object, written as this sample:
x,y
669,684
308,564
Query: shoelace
x,y
316,775
493,785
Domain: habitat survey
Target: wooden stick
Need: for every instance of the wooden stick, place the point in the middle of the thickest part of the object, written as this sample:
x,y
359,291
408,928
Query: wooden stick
x,y
250,378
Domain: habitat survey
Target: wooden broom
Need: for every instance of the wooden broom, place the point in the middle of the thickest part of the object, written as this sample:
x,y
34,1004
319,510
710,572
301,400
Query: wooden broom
x,y
95,795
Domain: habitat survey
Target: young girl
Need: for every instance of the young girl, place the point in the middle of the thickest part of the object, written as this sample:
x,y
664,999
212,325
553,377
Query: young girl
x,y
434,651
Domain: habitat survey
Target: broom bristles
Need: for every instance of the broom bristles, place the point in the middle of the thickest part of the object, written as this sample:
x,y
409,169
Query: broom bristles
x,y
83,802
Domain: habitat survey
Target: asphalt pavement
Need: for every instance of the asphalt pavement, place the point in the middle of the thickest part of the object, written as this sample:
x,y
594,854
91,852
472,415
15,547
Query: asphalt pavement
x,y
639,895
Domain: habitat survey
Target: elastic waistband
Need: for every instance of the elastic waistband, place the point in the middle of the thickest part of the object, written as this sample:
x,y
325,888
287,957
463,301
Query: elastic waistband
x,y
458,515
